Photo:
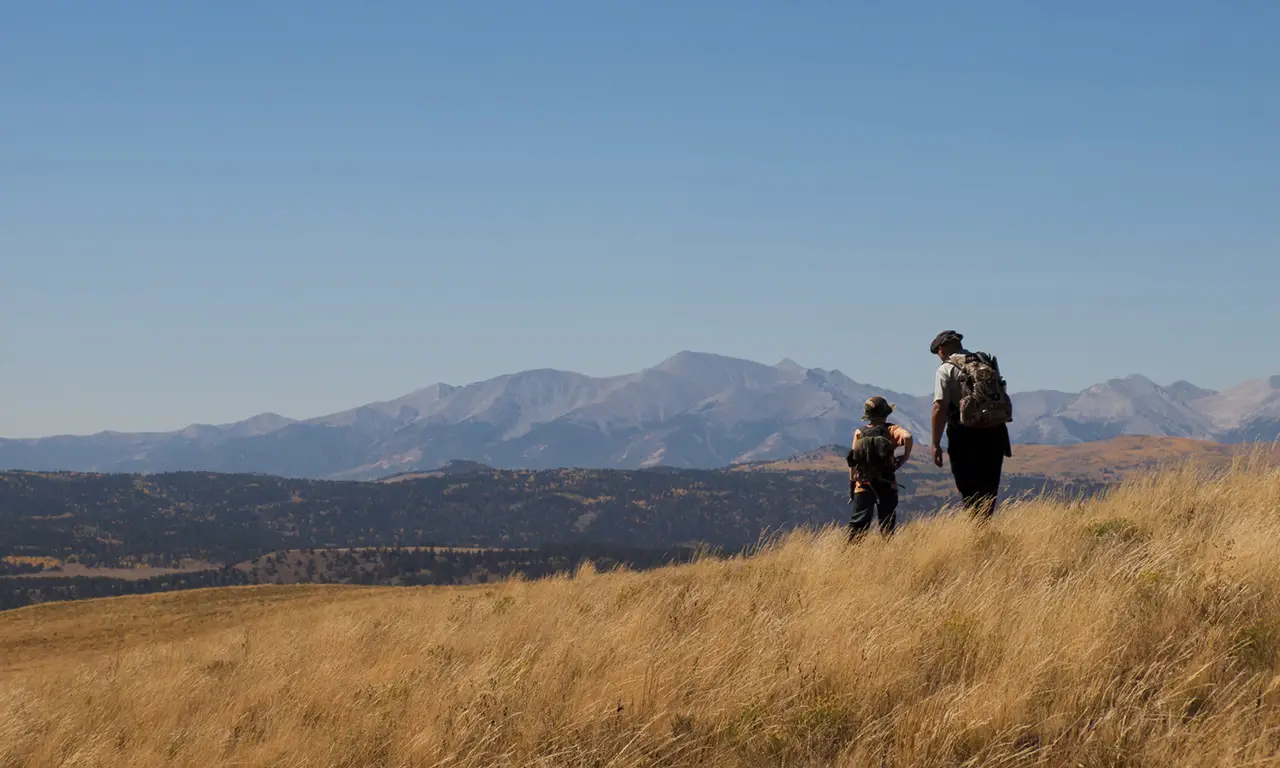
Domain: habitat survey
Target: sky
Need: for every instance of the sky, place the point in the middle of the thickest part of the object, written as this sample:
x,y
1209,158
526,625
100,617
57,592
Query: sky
x,y
211,210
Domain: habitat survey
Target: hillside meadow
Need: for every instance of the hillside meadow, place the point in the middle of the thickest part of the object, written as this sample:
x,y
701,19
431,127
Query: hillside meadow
x,y
1138,629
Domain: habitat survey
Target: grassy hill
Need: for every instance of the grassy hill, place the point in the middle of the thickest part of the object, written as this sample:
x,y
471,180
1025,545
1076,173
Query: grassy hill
x,y
1138,629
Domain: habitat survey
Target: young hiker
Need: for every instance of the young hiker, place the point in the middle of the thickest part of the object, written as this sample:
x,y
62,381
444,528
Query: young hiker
x,y
872,466
971,401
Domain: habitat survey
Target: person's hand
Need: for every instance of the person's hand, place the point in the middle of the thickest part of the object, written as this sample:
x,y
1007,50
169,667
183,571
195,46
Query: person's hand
x,y
937,456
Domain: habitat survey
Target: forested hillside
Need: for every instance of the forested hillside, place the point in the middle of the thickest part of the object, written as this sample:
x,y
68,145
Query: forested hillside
x,y
161,520
71,536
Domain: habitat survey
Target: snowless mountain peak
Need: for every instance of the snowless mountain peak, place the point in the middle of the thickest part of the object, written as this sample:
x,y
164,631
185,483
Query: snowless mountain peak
x,y
788,365
1185,392
694,409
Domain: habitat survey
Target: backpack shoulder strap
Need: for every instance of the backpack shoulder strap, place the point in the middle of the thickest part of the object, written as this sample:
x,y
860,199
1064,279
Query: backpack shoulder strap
x,y
960,362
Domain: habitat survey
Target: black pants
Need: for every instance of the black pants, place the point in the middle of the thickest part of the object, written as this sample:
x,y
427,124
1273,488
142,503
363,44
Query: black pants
x,y
977,459
880,501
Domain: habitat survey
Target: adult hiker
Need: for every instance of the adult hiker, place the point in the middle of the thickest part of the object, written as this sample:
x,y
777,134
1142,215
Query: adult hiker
x,y
872,464
971,401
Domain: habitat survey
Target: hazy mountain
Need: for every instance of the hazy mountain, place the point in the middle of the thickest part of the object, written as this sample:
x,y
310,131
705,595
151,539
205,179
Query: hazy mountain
x,y
1247,413
1029,412
1185,392
1134,405
692,410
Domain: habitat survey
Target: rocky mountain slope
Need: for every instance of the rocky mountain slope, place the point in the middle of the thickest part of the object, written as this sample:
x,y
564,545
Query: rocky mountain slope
x,y
692,410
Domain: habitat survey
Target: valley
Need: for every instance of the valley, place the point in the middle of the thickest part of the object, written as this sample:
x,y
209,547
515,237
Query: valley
x,y
77,535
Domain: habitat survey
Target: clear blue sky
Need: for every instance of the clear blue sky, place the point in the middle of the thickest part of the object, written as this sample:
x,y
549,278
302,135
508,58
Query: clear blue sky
x,y
211,210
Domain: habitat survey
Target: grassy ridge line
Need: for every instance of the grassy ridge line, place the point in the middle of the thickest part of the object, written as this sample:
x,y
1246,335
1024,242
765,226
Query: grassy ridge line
x,y
1141,629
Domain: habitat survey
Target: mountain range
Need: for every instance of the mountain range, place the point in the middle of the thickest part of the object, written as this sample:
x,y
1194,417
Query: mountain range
x,y
694,410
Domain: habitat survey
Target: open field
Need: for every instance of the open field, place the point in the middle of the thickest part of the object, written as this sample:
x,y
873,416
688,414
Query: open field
x,y
1139,629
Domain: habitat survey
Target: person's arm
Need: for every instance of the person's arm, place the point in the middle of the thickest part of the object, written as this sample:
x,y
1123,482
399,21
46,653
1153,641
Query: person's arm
x,y
938,422
907,442
853,474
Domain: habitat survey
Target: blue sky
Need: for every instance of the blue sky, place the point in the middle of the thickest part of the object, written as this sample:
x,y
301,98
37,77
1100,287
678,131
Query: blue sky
x,y
212,210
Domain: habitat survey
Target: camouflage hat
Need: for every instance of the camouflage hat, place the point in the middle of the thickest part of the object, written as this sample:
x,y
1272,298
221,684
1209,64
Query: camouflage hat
x,y
943,338
876,408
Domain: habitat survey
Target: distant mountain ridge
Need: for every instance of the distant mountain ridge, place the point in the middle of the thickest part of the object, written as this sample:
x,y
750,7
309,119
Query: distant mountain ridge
x,y
693,410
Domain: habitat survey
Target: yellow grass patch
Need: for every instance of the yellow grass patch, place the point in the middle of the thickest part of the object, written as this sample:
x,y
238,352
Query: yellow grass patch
x,y
47,562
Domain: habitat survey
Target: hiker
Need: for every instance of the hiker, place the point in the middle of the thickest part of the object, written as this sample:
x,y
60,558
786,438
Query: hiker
x,y
970,399
873,486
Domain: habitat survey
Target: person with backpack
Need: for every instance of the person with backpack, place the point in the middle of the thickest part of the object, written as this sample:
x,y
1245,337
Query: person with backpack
x,y
873,486
971,401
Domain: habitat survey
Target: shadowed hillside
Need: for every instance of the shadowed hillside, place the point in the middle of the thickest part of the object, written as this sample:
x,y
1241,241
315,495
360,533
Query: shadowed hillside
x,y
1138,629
164,520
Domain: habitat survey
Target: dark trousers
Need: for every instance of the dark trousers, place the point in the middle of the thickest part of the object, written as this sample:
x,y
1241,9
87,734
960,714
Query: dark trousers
x,y
881,501
977,459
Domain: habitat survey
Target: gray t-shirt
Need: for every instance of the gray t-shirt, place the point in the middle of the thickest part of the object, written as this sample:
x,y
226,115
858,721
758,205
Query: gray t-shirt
x,y
946,387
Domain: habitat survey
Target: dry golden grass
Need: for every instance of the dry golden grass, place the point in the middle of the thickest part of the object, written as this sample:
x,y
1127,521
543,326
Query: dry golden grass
x,y
1141,629
49,636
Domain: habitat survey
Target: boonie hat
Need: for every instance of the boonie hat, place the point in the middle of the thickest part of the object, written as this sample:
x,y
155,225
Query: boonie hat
x,y
876,408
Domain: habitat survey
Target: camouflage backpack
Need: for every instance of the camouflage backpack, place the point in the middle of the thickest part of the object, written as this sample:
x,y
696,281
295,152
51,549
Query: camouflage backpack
x,y
984,398
872,454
